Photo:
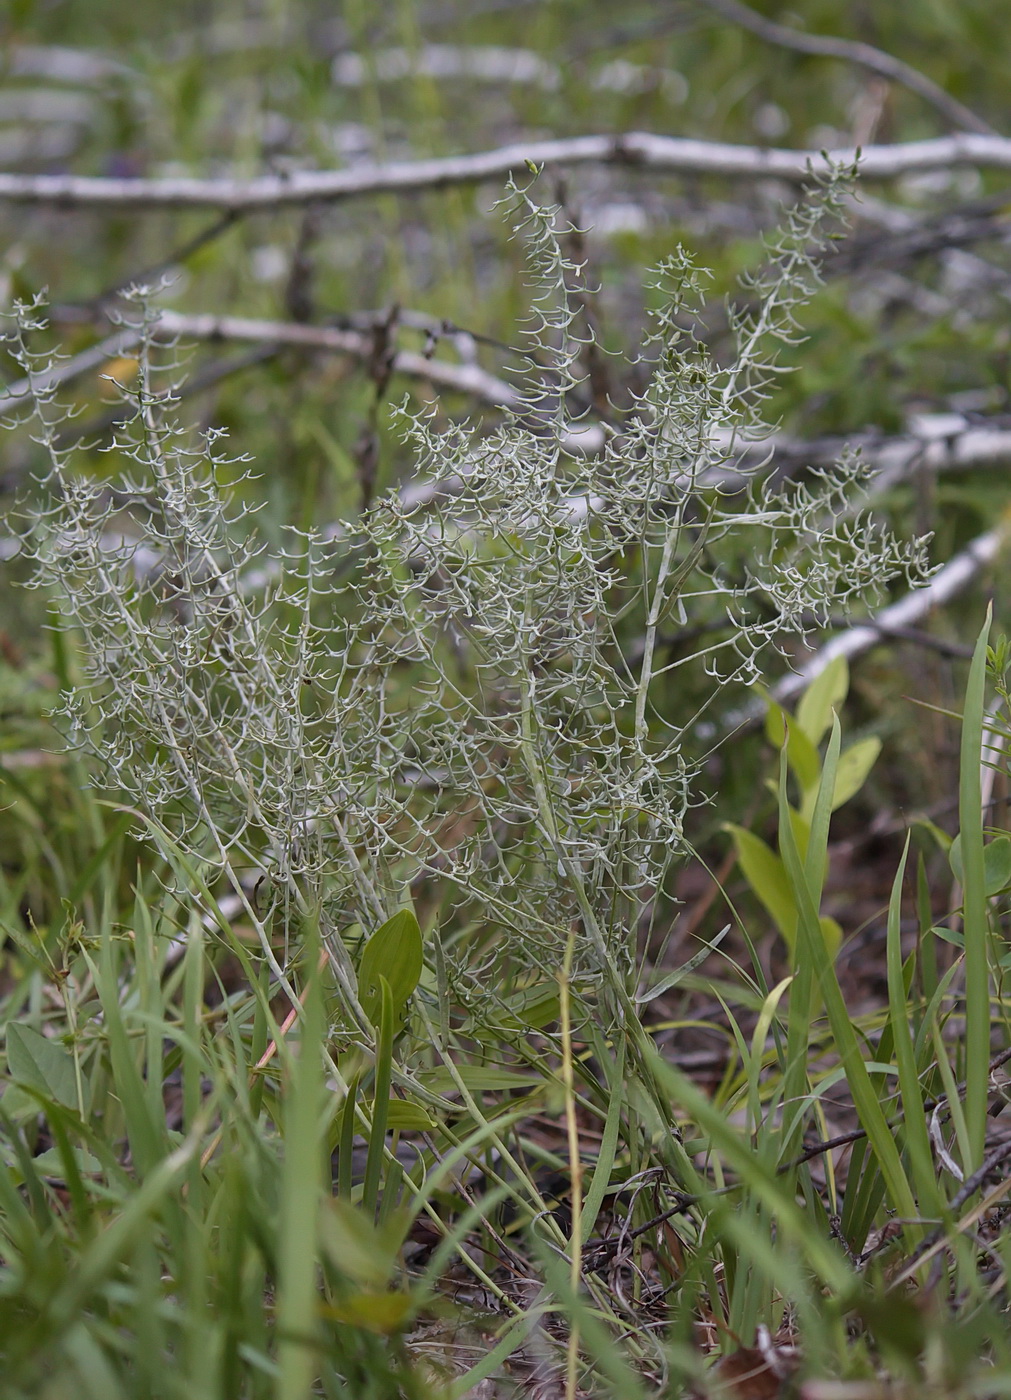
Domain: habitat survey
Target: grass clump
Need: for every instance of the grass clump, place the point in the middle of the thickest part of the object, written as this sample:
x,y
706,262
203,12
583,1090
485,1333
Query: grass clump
x,y
351,972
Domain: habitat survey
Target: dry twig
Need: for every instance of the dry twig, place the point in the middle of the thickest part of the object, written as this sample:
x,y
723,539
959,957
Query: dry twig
x,y
875,60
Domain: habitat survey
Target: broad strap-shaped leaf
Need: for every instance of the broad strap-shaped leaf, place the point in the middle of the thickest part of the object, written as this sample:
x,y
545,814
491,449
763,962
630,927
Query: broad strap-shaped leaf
x,y
996,863
767,877
855,763
825,693
41,1064
395,952
801,751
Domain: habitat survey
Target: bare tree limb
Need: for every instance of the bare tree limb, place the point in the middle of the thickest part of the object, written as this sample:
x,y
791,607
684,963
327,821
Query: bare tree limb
x,y
465,379
886,65
636,150
936,442
21,393
154,273
983,221
495,63
959,571
86,67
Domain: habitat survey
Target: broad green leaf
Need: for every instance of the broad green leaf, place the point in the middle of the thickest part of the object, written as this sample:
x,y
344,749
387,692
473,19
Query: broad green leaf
x,y
18,1103
384,1313
479,1079
942,838
825,693
41,1064
800,825
405,1116
955,857
395,952
801,754
363,1252
764,872
948,935
854,765
812,955
381,1102
532,1008
776,720
921,1156
851,773
832,934
811,834
803,758
996,863
50,1163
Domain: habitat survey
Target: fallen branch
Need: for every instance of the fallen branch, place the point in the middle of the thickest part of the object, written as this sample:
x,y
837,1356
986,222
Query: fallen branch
x,y
464,379
938,442
635,150
22,392
959,571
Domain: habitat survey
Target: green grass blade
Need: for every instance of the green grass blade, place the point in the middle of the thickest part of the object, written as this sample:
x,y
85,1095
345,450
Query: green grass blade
x,y
380,1101
608,1142
811,945
300,1194
974,904
913,1115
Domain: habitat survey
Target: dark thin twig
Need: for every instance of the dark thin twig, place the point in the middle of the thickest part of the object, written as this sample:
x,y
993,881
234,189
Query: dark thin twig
x,y
969,1187
886,65
960,651
596,1256
158,270
845,1139
982,221
972,1183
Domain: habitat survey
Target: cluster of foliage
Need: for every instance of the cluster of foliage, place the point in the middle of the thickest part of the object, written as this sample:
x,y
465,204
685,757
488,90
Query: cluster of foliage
x,y
435,714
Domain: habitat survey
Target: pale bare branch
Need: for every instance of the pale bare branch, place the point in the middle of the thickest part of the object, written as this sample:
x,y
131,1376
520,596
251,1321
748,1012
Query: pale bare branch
x,y
24,391
935,442
464,379
957,574
635,150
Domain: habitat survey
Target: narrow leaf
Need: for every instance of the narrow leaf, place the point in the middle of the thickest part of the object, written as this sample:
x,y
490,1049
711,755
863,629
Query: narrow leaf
x,y
975,919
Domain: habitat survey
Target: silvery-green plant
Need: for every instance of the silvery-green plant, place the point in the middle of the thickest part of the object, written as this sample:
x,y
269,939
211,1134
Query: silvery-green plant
x,y
461,691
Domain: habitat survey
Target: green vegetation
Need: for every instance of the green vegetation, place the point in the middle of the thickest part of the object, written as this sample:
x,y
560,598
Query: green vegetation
x,y
421,973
